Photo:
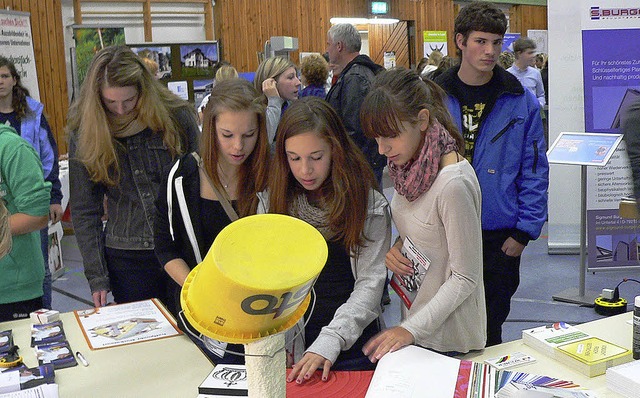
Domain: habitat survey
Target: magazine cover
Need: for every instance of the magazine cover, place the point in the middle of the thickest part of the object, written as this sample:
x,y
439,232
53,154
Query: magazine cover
x,y
32,377
59,354
407,286
6,341
47,333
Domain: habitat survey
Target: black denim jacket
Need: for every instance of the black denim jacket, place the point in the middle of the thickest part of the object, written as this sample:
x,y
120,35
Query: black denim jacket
x,y
143,158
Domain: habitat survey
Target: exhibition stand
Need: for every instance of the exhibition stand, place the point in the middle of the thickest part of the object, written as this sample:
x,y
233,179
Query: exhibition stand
x,y
583,149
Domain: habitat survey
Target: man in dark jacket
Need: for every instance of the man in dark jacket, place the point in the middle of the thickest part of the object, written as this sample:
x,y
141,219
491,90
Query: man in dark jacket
x,y
356,72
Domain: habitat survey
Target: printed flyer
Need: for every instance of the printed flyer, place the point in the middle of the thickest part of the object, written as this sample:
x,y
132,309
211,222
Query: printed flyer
x,y
122,324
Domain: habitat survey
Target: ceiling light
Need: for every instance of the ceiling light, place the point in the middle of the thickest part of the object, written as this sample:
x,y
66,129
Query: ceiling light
x,y
383,21
352,21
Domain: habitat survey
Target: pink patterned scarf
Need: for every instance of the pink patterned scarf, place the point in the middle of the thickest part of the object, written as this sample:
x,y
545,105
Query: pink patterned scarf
x,y
416,177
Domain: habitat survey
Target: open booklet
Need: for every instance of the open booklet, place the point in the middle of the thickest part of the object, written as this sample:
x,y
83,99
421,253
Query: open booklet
x,y
407,286
122,324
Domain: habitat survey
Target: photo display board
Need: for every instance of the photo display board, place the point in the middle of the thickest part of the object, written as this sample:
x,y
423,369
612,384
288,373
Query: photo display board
x,y
186,68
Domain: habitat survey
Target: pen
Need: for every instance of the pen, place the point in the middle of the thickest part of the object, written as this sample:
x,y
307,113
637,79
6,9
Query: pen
x,y
82,359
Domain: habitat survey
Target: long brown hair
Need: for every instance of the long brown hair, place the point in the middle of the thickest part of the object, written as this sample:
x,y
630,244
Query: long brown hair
x,y
237,95
118,66
398,95
346,191
20,93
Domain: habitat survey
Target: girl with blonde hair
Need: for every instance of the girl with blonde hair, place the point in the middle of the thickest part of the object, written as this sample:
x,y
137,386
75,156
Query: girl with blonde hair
x,y
277,79
125,127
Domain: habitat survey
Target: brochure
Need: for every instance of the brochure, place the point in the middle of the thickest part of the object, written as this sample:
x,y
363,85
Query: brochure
x,y
6,340
59,354
122,324
510,361
407,286
47,333
226,380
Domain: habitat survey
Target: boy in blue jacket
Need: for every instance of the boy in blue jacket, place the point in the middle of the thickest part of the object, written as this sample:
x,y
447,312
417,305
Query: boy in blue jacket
x,y
502,127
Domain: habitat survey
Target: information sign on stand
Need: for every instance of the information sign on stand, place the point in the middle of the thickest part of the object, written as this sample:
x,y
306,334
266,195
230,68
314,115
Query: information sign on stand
x,y
584,149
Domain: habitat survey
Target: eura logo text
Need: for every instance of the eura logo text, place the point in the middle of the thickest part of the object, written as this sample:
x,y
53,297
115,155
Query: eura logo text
x,y
613,13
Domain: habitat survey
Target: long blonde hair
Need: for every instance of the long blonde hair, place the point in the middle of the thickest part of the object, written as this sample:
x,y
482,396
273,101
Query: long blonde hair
x,y
271,68
118,66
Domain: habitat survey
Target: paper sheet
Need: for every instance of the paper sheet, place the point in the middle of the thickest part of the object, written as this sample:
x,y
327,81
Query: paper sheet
x,y
411,371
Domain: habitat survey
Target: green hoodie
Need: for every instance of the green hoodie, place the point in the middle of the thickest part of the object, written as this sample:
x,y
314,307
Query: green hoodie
x,y
23,189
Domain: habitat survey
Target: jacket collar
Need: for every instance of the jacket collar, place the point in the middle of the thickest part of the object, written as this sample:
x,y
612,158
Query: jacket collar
x,y
509,83
364,61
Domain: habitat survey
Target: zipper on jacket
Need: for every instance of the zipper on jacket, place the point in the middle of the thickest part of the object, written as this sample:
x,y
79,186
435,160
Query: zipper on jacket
x,y
504,130
535,157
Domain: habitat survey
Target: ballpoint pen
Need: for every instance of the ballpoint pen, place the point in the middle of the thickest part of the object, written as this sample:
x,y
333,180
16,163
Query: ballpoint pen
x,y
82,359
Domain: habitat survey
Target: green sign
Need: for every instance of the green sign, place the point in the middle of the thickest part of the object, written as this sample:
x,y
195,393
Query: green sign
x,y
438,36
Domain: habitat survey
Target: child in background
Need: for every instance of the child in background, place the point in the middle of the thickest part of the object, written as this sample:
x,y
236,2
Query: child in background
x,y
321,177
436,204
224,72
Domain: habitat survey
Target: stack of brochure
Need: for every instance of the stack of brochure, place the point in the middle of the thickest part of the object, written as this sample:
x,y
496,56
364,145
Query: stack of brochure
x,y
51,345
625,379
587,354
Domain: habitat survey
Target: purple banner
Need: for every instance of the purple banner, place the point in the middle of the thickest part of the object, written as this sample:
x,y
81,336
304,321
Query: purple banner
x,y
611,62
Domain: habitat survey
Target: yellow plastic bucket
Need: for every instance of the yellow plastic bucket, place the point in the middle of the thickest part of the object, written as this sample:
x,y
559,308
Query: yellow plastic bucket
x,y
255,279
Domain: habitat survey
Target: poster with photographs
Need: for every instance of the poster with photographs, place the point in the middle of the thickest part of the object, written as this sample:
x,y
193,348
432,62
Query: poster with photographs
x,y
158,59
90,40
187,69
198,59
201,88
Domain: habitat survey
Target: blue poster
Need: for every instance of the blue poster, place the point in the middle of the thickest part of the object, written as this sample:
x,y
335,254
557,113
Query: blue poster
x,y
611,62
507,43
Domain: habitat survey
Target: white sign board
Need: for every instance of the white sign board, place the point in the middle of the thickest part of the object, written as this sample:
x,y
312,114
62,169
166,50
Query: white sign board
x,y
17,45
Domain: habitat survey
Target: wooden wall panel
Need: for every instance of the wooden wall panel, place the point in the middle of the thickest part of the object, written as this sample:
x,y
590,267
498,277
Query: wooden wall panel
x,y
243,26
383,38
48,48
428,15
524,18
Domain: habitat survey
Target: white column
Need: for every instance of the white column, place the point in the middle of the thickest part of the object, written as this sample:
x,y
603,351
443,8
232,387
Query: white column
x,y
266,376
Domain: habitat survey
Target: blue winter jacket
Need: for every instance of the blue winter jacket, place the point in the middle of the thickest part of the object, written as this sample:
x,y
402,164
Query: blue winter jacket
x,y
30,130
509,158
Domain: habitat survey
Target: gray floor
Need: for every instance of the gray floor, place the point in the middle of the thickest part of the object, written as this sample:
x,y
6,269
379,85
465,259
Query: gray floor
x,y
542,276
